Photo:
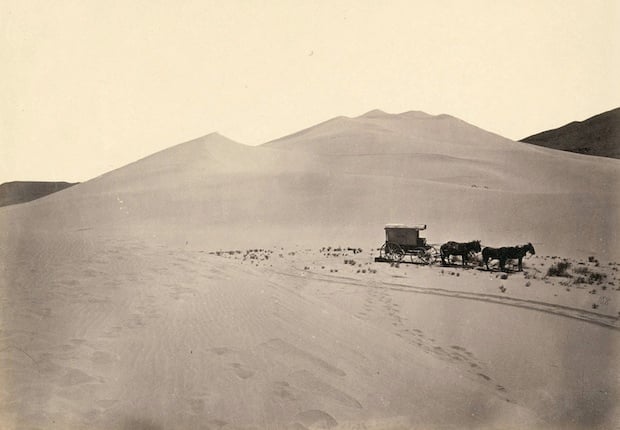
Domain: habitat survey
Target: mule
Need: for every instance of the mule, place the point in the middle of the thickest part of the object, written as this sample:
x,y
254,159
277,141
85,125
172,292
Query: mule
x,y
507,253
457,248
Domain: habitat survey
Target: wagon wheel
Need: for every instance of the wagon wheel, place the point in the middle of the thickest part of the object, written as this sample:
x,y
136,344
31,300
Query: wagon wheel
x,y
394,252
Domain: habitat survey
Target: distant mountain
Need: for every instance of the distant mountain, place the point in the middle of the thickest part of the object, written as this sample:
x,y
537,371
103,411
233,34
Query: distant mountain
x,y
24,191
599,135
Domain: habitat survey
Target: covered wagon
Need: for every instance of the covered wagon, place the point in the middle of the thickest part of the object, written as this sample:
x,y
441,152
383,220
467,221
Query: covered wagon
x,y
403,241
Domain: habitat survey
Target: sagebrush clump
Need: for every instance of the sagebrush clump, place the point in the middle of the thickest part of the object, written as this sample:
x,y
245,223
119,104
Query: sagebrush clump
x,y
559,269
589,277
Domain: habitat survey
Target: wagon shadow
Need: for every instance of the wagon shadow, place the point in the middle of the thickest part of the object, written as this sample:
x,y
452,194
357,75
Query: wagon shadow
x,y
458,266
497,269
492,269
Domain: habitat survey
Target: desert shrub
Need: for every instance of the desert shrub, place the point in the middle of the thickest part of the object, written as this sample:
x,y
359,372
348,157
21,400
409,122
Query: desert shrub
x,y
559,269
589,277
579,280
597,277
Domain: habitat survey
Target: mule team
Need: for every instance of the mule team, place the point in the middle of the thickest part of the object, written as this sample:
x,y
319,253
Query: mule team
x,y
502,254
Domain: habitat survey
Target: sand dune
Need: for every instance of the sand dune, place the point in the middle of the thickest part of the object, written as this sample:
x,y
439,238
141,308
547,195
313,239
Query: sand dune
x,y
118,308
345,179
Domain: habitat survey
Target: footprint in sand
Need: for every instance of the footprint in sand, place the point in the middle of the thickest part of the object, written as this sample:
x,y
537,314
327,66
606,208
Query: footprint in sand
x,y
458,348
307,381
241,372
315,418
106,403
69,282
282,389
457,357
102,358
483,376
135,321
75,377
290,350
196,405
221,350
113,332
90,273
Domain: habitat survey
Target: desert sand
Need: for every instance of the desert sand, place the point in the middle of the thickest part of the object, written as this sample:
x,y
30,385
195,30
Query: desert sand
x,y
211,285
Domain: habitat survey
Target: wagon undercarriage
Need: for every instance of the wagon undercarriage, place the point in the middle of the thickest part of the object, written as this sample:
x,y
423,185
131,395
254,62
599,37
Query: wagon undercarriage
x,y
393,252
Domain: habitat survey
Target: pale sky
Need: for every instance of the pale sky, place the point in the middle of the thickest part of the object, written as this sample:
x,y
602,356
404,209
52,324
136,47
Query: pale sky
x,y
91,85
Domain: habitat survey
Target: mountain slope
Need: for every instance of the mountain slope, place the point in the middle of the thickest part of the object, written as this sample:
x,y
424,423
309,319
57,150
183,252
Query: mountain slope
x,y
599,135
15,192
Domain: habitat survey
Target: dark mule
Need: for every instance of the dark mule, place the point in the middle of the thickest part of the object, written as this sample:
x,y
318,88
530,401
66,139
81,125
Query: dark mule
x,y
507,253
456,248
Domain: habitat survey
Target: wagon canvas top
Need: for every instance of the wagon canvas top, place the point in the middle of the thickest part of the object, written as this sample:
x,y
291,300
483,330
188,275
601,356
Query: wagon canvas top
x,y
403,226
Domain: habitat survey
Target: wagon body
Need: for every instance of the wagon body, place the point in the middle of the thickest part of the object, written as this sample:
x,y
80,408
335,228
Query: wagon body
x,y
405,236
402,240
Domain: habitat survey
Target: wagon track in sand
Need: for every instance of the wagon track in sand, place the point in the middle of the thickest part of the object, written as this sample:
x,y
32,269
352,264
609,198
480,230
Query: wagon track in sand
x,y
607,321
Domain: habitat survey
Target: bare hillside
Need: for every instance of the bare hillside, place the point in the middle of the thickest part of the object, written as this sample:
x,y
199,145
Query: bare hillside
x,y
599,135
12,193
